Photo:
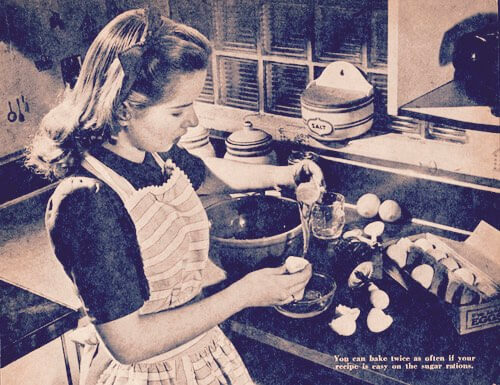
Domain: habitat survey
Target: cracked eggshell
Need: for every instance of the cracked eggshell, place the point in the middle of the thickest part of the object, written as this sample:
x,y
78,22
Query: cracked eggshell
x,y
423,274
379,299
424,244
465,275
365,268
398,254
294,264
377,321
405,243
343,325
450,263
342,310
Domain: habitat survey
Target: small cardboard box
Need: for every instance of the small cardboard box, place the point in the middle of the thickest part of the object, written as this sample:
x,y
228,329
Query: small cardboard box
x,y
465,318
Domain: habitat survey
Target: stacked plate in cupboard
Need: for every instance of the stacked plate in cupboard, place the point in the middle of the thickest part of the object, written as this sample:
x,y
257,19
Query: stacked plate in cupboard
x,y
464,281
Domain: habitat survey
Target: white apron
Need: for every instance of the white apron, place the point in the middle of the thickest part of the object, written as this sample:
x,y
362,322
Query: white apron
x,y
173,234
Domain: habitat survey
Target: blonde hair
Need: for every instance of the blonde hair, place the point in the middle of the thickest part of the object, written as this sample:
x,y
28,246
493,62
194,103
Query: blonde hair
x,y
88,114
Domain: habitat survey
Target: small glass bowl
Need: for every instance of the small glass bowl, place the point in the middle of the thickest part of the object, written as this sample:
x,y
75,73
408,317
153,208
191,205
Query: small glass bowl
x,y
318,297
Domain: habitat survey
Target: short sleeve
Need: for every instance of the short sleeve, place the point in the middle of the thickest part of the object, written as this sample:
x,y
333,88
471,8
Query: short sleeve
x,y
192,166
94,238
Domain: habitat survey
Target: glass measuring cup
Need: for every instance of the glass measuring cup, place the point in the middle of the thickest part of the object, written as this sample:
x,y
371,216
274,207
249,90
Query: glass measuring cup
x,y
327,217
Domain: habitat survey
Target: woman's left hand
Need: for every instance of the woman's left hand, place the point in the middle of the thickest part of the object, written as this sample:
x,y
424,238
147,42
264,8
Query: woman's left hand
x,y
305,171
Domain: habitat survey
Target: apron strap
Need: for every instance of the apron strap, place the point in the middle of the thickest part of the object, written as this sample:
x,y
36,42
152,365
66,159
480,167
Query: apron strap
x,y
118,183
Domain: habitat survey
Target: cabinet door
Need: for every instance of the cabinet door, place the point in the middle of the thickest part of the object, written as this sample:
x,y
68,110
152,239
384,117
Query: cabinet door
x,y
52,364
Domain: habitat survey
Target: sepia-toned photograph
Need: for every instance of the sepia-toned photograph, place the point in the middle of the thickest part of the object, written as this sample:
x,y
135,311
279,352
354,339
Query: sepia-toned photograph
x,y
249,192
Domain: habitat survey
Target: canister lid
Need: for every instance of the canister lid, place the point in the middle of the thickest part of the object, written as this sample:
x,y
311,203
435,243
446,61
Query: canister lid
x,y
321,96
248,137
194,134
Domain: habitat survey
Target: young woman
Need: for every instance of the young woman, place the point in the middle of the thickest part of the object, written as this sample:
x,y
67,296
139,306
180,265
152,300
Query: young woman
x,y
126,222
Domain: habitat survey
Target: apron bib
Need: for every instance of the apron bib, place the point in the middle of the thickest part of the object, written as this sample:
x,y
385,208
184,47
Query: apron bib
x,y
172,230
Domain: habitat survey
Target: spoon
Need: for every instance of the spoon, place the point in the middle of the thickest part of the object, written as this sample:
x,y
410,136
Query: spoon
x,y
374,230
358,234
21,115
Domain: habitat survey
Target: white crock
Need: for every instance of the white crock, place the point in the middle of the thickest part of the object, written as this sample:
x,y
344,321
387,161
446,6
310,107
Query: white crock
x,y
250,145
196,141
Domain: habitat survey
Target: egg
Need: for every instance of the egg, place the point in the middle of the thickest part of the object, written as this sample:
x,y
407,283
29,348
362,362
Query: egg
x,y
389,211
465,275
308,192
423,274
437,254
377,321
450,263
405,243
486,288
367,205
343,325
397,254
424,244
294,264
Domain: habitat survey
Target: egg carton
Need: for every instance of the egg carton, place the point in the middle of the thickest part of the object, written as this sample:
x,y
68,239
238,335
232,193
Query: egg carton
x,y
470,295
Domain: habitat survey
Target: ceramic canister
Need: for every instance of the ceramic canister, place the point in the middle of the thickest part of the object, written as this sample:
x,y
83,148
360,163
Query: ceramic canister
x,y
196,141
250,145
339,104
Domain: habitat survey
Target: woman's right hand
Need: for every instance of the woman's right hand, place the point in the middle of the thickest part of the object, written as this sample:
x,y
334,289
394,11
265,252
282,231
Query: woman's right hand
x,y
272,286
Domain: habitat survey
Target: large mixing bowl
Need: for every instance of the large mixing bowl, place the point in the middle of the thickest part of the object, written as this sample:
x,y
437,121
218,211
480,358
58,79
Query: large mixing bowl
x,y
252,232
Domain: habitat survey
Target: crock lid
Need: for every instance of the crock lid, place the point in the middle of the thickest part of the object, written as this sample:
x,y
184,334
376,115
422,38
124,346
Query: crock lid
x,y
321,96
194,134
248,137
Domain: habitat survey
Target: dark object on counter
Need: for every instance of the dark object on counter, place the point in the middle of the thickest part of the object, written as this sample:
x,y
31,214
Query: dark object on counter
x,y
475,59
252,232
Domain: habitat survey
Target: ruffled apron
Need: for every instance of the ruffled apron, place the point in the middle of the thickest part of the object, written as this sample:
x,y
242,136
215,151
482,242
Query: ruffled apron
x,y
173,234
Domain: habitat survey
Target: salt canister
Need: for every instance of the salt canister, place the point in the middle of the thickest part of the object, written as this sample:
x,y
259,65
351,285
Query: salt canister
x,y
339,104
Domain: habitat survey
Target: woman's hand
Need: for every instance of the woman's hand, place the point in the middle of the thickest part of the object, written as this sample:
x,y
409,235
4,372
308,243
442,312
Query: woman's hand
x,y
305,171
272,286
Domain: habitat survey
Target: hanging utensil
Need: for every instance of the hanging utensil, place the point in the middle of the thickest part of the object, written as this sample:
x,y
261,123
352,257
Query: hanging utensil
x,y
11,116
21,115
26,105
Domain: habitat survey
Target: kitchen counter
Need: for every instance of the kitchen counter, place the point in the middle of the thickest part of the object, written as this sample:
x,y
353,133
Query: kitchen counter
x,y
47,309
421,328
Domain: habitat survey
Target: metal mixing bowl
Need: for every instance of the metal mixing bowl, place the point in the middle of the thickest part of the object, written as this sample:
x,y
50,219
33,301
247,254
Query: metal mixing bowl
x,y
252,232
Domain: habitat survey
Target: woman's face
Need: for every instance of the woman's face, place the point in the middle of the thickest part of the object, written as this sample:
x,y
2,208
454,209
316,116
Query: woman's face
x,y
157,127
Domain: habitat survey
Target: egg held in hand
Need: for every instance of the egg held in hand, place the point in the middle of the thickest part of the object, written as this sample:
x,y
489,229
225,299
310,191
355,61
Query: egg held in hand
x,y
295,264
308,192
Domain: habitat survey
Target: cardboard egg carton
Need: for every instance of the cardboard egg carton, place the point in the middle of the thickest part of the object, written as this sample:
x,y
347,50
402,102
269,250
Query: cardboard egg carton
x,y
472,304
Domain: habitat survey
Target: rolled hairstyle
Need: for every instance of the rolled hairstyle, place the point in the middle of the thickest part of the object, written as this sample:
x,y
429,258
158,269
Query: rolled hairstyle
x,y
133,61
